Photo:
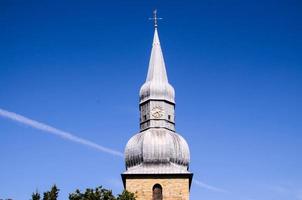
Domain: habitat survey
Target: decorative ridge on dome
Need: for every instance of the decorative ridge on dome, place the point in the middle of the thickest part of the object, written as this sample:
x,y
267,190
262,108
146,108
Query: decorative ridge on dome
x,y
157,150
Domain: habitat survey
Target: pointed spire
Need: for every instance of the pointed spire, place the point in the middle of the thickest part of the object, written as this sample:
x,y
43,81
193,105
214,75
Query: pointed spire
x,y
156,86
157,68
157,96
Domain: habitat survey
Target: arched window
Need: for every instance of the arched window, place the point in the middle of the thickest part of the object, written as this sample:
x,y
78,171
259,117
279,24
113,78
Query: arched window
x,y
157,192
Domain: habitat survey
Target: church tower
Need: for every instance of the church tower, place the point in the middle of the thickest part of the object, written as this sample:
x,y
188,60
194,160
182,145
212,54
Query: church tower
x,y
157,158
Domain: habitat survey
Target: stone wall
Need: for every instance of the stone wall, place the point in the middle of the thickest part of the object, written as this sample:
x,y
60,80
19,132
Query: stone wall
x,y
173,188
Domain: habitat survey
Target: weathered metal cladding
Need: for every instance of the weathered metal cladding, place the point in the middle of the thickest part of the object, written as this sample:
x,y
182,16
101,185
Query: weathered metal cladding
x,y
157,85
157,150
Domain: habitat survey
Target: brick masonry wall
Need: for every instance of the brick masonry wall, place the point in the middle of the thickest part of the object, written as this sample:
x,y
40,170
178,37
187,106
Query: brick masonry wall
x,y
173,188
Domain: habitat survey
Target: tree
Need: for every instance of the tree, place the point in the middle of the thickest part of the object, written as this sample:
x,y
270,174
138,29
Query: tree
x,y
77,195
126,196
36,196
98,193
52,194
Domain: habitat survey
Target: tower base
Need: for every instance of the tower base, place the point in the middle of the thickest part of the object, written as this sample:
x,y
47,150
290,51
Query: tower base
x,y
174,186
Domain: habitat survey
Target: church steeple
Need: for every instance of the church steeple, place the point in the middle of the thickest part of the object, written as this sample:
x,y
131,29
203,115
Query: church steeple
x,y
157,69
156,94
157,158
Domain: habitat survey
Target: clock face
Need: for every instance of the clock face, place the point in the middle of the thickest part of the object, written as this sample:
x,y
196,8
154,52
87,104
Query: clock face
x,y
157,112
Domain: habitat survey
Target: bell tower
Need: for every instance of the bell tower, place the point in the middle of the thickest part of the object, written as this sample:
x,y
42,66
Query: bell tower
x,y
157,158
157,95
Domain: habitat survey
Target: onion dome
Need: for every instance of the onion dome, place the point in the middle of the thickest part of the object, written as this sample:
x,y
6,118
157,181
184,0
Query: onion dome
x,y
157,151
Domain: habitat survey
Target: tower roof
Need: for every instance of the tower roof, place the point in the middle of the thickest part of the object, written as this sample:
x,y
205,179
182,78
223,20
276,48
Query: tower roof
x,y
157,148
157,151
157,85
157,68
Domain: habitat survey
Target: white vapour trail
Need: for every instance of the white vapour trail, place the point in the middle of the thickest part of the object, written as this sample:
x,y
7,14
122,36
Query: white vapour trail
x,y
209,187
68,136
63,134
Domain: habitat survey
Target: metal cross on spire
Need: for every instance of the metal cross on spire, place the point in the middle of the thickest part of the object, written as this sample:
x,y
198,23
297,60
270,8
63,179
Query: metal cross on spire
x,y
155,18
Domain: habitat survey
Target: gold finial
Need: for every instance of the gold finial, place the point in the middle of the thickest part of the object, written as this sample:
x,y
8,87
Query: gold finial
x,y
155,18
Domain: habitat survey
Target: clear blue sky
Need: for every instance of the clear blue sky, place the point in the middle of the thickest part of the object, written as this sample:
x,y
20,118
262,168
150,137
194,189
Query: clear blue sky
x,y
236,67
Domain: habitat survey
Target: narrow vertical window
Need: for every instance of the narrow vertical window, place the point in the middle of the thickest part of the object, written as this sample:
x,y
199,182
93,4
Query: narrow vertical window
x,y
157,192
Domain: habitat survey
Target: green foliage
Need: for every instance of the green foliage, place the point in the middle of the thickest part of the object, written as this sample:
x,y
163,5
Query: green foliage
x,y
36,196
77,195
52,194
126,196
99,193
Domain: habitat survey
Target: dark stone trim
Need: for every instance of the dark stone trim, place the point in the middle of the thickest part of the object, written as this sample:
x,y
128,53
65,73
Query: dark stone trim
x,y
156,176
142,130
169,102
157,120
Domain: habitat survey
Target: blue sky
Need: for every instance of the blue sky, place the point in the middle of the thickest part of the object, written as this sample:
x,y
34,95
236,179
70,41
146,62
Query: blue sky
x,y
77,66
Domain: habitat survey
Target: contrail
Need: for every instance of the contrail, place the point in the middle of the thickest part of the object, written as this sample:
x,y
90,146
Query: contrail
x,y
209,187
54,131
68,136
